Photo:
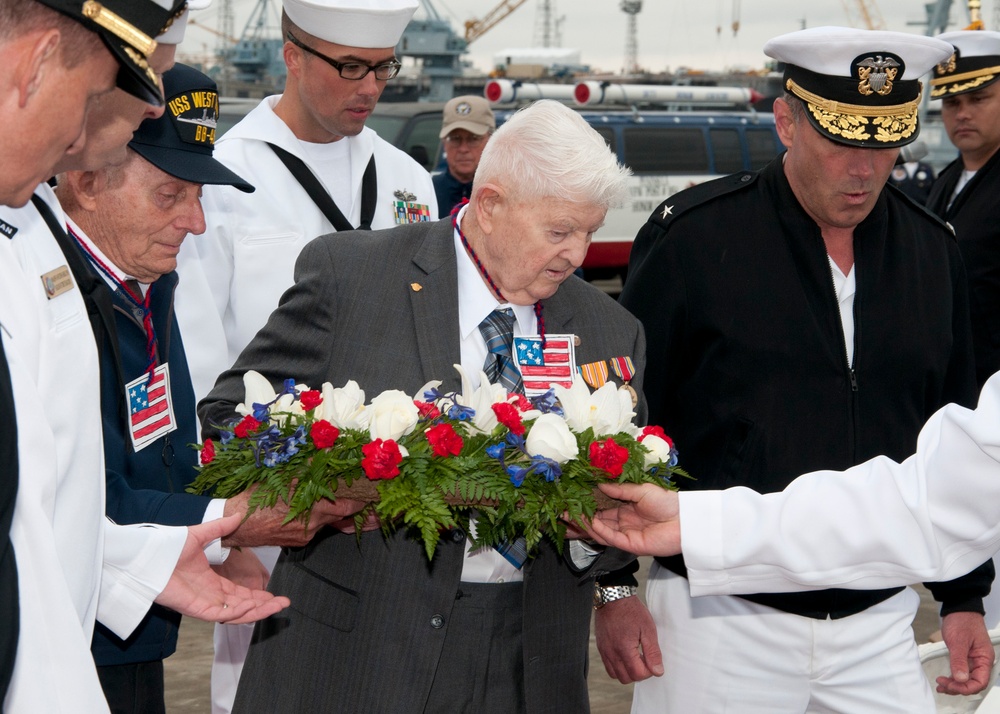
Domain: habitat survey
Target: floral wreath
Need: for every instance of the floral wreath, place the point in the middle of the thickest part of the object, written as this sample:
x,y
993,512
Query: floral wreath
x,y
519,465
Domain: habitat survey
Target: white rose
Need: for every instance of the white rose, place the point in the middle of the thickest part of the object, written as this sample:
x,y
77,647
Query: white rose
x,y
344,407
658,450
550,437
392,415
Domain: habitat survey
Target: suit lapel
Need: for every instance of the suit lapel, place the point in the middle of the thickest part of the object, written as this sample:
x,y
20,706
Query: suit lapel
x,y
434,302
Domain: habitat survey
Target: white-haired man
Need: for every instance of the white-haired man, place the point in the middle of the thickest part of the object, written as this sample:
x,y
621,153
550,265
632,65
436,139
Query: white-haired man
x,y
474,631
317,168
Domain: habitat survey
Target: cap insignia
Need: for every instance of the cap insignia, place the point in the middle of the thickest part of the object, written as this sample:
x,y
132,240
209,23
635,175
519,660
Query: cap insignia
x,y
200,110
120,28
947,67
877,74
142,64
463,109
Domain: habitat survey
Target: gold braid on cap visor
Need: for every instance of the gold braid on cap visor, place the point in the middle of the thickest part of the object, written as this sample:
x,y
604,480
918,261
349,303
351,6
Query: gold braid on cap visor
x,y
120,28
854,121
980,76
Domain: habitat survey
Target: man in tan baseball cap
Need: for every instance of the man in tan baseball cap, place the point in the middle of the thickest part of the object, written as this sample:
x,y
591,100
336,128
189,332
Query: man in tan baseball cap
x,y
467,126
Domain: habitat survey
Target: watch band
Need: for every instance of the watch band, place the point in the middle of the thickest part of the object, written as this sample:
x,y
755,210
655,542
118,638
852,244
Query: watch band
x,y
604,595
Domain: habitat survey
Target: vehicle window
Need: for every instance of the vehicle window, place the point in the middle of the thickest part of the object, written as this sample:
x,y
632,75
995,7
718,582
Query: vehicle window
x,y
423,142
726,150
386,127
608,134
657,150
763,145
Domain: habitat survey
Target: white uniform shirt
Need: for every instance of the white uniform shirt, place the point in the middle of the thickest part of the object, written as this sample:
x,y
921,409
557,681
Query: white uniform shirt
x,y
61,538
232,276
880,524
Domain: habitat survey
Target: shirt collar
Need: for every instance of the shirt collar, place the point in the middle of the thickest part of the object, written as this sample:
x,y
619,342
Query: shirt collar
x,y
92,247
476,300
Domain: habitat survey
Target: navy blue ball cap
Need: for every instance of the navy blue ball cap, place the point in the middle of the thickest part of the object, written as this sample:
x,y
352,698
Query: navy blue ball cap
x,y
180,142
128,29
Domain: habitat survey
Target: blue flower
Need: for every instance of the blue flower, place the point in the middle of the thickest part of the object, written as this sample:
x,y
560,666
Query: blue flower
x,y
496,451
547,403
433,394
546,467
460,413
514,440
517,474
289,388
225,437
262,412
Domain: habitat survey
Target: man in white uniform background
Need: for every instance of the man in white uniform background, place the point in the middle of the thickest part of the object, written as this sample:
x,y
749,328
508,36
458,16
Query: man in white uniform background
x,y
340,54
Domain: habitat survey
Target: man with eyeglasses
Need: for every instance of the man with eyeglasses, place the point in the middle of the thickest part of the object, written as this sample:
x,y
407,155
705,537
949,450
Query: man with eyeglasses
x,y
467,125
317,170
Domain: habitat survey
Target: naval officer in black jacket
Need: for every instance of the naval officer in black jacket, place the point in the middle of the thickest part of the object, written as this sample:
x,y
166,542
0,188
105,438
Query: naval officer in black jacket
x,y
803,317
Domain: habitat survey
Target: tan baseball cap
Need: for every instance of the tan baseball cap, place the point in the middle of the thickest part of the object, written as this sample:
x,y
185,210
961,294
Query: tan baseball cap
x,y
468,112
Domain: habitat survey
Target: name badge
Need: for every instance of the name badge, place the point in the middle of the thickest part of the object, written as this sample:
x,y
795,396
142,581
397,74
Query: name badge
x,y
150,409
543,368
56,282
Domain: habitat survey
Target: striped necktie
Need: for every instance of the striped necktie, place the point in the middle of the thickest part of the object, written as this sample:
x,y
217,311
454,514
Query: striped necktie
x,y
498,331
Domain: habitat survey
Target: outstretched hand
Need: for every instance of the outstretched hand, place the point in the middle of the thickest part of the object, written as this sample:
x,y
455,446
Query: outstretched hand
x,y
649,524
266,526
195,589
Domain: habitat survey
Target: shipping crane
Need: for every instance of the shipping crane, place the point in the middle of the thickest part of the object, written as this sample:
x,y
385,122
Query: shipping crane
x,y
474,29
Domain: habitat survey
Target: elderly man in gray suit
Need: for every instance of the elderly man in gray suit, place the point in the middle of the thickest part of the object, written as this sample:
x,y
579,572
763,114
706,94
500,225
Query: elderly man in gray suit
x,y
374,626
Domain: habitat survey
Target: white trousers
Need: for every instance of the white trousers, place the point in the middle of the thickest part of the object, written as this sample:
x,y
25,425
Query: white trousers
x,y
231,645
726,654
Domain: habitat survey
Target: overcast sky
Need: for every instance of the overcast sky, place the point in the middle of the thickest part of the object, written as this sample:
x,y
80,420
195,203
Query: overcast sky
x,y
671,33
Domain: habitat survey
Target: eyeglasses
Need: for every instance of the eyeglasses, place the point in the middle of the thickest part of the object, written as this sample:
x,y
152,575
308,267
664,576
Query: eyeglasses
x,y
469,139
352,70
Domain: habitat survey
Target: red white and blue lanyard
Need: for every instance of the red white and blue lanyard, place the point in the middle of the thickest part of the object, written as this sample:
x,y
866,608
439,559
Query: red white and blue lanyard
x,y
140,302
482,269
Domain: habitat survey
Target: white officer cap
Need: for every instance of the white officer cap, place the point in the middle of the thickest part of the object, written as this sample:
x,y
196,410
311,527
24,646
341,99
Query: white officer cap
x,y
353,23
975,63
860,87
173,33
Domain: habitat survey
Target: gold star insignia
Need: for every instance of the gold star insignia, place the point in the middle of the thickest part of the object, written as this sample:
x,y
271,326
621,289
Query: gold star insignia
x,y
667,211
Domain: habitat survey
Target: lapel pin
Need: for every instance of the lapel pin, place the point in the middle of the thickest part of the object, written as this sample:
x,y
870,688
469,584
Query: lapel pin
x,y
416,287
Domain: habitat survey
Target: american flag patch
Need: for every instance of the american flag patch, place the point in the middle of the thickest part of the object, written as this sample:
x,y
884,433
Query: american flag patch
x,y
407,212
541,369
150,410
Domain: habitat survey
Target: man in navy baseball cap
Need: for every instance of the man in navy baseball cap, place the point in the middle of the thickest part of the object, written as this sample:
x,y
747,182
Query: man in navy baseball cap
x,y
127,223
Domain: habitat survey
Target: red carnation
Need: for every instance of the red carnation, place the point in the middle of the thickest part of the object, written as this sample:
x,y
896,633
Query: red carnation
x,y
608,455
656,431
207,452
510,417
520,401
246,427
382,459
444,440
427,410
311,399
323,433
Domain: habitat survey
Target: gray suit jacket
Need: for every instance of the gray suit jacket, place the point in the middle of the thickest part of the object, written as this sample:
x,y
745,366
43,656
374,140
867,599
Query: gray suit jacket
x,y
364,632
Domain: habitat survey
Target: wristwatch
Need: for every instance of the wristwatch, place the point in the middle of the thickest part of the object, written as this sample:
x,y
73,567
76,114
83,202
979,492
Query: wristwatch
x,y
602,596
